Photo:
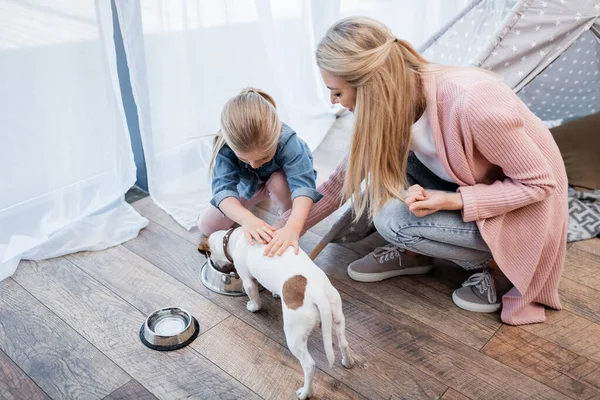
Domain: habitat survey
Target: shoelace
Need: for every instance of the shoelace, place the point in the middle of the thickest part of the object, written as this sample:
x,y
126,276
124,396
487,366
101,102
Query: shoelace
x,y
385,253
484,282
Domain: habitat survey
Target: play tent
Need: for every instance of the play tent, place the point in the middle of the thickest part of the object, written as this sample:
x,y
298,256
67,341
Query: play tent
x,y
547,51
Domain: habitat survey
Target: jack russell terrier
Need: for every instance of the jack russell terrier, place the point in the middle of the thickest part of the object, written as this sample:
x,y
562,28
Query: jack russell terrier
x,y
306,293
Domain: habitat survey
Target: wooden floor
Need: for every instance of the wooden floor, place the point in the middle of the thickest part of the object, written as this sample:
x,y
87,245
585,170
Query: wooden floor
x,y
69,329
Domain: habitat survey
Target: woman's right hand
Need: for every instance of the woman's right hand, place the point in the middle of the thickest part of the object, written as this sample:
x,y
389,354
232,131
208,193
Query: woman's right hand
x,y
257,229
414,193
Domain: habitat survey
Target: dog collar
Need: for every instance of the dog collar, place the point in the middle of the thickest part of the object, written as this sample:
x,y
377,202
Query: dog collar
x,y
225,244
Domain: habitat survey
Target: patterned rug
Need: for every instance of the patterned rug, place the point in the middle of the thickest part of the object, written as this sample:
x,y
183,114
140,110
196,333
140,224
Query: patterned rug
x,y
584,215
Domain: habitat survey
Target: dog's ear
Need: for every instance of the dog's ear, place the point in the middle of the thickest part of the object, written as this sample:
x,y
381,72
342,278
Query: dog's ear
x,y
204,247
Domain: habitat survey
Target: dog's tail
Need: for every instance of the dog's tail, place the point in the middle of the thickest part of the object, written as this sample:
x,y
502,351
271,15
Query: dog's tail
x,y
322,303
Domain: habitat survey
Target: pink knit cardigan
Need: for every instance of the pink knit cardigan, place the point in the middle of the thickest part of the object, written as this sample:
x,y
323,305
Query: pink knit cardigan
x,y
512,181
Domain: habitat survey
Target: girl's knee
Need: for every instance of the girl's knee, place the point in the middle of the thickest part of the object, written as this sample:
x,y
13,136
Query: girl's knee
x,y
212,220
279,190
278,182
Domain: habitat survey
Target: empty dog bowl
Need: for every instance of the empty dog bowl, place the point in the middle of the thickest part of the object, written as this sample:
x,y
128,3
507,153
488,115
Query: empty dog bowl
x,y
169,328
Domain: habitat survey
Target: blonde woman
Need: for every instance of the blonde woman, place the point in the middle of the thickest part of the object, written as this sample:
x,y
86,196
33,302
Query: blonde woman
x,y
484,177
256,156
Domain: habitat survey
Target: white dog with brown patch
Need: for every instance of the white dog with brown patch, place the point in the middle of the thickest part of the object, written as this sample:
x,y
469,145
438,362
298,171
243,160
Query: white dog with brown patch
x,y
307,295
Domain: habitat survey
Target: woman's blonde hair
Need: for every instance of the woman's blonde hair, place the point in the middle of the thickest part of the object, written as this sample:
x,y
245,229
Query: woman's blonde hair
x,y
249,122
386,74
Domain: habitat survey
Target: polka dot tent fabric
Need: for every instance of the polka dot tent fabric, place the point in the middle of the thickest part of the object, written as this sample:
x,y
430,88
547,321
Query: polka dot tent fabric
x,y
570,86
464,38
548,51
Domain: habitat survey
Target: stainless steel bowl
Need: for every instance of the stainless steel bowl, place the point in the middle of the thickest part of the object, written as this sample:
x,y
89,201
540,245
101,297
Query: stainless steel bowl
x,y
227,283
169,328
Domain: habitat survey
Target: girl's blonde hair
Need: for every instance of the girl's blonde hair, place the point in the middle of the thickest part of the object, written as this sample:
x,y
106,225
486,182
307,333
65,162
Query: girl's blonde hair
x,y
386,74
249,122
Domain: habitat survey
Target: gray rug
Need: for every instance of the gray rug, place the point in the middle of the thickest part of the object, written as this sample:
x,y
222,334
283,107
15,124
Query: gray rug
x,y
584,215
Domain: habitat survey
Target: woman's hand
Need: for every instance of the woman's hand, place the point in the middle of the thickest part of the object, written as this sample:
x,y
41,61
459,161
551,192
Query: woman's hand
x,y
283,238
414,193
429,202
257,229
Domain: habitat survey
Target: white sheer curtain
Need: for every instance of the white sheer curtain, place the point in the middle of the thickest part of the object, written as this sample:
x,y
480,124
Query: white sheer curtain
x,y
187,57
410,20
65,155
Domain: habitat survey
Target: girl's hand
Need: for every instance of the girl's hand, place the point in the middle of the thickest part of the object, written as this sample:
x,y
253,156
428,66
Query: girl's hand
x,y
284,238
435,201
257,229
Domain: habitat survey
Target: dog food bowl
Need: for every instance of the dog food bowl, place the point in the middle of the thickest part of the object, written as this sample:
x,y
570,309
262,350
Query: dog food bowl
x,y
227,283
169,328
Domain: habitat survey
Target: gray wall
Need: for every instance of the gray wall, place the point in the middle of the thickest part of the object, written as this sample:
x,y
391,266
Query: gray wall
x,y
129,105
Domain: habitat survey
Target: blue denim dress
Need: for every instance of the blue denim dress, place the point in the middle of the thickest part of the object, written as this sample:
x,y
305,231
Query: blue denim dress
x,y
234,178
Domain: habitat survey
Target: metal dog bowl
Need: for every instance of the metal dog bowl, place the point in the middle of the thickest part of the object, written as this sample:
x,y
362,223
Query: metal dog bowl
x,y
227,283
169,328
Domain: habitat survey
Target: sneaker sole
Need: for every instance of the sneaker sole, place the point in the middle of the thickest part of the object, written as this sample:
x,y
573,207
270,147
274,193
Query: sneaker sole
x,y
474,307
380,276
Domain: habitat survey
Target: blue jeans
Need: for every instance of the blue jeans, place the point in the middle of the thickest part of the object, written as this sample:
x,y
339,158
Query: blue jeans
x,y
441,235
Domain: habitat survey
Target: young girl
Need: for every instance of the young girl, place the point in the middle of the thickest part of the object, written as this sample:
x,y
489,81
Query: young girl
x,y
486,179
256,156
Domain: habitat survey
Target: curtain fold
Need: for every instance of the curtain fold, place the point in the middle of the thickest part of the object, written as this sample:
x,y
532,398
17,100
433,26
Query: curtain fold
x,y
65,155
410,20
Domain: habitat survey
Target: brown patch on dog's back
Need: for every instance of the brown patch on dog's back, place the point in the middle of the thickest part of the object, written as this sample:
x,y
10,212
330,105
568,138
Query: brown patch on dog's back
x,y
203,247
293,291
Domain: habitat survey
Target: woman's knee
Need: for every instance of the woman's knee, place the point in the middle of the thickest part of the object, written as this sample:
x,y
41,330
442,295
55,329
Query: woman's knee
x,y
390,220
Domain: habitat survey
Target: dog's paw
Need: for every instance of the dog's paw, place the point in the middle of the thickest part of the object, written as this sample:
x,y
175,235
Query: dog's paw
x,y
303,394
252,307
275,296
348,363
